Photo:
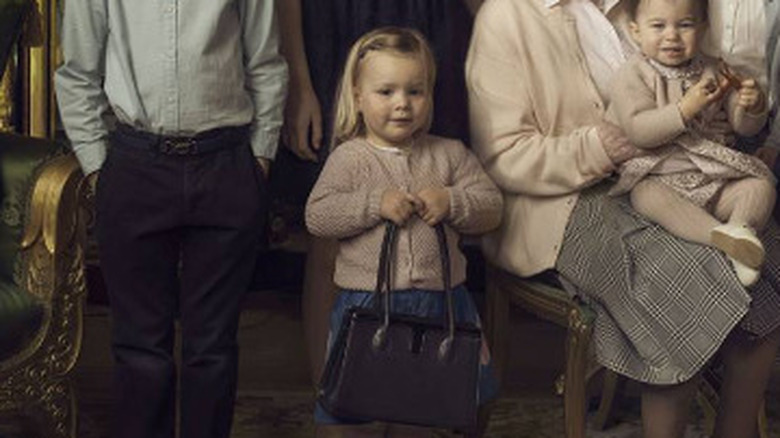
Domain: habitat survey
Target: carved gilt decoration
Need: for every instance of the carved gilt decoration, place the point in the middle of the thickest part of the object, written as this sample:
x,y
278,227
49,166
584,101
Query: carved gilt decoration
x,y
36,380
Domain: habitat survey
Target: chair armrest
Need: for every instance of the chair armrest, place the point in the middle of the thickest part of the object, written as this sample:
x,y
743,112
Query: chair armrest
x,y
36,381
21,160
52,251
544,300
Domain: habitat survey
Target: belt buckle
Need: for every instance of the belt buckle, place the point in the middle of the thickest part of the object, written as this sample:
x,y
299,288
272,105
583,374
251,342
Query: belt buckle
x,y
179,146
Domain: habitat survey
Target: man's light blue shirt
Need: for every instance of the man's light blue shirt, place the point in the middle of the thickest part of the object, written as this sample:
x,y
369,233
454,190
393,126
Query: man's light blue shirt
x,y
172,67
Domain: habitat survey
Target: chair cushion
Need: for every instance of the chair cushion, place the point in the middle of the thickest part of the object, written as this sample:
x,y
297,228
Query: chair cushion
x,y
21,315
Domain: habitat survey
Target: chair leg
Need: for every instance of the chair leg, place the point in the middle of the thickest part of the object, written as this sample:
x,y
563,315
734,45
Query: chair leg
x,y
579,335
610,394
763,423
496,324
707,398
54,410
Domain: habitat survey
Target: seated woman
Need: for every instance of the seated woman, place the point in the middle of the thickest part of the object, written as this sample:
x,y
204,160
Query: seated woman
x,y
539,74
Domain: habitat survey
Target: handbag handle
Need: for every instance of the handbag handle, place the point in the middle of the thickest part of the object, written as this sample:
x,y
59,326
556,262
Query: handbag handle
x,y
384,279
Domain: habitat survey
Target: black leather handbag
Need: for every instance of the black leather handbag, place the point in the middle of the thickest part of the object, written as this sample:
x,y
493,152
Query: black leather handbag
x,y
400,368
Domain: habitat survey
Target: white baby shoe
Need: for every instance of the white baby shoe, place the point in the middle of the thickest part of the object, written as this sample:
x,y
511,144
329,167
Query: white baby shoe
x,y
740,243
746,275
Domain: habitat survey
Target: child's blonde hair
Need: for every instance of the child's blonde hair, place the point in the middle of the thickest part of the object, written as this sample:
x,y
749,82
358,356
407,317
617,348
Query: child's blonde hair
x,y
348,122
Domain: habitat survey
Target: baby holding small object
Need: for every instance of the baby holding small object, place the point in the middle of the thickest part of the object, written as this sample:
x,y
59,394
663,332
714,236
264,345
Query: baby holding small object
x,y
670,100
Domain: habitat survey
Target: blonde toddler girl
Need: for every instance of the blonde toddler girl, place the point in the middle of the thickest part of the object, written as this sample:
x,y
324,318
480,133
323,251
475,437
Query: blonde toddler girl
x,y
386,167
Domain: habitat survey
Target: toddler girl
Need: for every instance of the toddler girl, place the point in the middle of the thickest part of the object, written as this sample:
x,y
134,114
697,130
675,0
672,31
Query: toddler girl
x,y
386,167
684,109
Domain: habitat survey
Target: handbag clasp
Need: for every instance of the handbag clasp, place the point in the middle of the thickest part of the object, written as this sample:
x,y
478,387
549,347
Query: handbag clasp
x,y
379,340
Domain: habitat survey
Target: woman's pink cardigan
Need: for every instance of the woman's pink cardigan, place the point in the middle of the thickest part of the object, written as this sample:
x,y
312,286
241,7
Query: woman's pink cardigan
x,y
533,110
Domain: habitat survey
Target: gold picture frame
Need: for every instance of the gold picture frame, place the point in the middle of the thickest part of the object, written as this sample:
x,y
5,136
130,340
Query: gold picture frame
x,y
27,101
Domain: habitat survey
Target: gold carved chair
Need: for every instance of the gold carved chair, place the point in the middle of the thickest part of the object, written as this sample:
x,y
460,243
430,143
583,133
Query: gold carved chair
x,y
42,229
42,286
551,303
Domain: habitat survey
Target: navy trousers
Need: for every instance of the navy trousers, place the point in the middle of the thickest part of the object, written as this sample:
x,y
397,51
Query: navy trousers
x,y
178,236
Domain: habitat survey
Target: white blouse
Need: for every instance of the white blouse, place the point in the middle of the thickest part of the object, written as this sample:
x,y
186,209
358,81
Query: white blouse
x,y
737,33
605,46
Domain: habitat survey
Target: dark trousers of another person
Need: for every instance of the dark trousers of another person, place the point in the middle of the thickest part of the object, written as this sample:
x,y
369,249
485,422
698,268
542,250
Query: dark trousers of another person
x,y
178,234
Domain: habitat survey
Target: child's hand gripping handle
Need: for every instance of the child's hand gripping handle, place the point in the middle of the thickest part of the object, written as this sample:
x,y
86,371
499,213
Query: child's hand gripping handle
x,y
383,286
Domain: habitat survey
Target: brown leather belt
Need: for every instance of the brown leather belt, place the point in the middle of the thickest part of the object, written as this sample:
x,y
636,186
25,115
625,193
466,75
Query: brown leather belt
x,y
201,143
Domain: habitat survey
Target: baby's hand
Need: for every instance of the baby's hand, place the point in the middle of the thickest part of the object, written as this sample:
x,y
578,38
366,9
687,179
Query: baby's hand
x,y
750,96
434,205
397,206
700,96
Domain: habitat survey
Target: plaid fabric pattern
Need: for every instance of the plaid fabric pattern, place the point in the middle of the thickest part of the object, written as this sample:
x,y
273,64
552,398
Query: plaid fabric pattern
x,y
664,304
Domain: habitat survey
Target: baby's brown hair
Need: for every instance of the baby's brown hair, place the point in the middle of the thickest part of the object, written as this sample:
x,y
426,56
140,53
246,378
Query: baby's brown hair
x,y
702,6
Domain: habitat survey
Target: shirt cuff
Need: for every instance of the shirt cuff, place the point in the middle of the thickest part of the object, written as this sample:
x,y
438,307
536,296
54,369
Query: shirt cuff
x,y
375,204
457,205
90,155
265,143
758,119
671,115
604,164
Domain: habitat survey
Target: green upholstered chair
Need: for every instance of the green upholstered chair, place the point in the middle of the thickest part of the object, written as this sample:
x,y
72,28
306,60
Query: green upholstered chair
x,y
42,286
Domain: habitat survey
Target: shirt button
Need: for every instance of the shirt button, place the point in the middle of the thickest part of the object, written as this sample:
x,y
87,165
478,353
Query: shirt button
x,y
597,105
170,9
171,99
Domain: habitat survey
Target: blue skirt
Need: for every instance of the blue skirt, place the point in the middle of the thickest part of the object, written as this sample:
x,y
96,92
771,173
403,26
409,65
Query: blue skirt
x,y
416,302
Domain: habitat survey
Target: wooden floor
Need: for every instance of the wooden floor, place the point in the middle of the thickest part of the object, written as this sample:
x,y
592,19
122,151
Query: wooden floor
x,y
275,397
273,357
273,361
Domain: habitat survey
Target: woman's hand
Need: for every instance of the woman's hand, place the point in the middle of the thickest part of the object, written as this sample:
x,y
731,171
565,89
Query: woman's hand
x,y
398,206
617,146
700,96
750,96
302,115
434,205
